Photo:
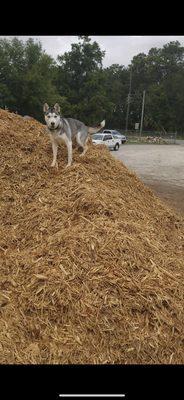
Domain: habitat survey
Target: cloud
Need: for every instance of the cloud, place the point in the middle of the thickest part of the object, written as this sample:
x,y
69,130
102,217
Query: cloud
x,y
119,49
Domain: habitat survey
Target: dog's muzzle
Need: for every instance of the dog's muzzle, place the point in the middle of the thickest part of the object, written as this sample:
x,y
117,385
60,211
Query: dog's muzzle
x,y
53,128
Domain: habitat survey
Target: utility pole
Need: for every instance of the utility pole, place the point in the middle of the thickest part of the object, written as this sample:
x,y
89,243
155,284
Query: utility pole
x,y
142,114
128,100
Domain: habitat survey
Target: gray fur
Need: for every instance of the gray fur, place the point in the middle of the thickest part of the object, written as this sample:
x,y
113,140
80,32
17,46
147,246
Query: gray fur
x,y
66,129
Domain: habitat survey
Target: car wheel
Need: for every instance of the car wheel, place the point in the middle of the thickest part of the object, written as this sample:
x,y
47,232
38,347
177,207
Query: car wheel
x,y
116,147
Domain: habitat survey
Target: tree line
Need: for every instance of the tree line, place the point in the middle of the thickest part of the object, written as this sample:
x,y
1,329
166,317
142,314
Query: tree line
x,y
90,92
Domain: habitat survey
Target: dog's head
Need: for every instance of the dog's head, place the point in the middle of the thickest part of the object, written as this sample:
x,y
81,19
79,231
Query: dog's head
x,y
52,116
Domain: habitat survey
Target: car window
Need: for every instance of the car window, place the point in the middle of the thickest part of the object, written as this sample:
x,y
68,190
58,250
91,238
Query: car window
x,y
97,137
105,131
105,137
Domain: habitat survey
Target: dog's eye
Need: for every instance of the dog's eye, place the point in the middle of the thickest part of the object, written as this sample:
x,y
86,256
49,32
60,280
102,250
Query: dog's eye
x,y
55,116
48,116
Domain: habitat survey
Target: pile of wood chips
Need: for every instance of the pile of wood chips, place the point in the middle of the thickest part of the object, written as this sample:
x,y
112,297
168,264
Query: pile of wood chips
x,y
91,261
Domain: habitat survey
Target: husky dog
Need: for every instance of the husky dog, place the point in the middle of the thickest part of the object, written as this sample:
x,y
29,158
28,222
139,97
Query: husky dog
x,y
65,130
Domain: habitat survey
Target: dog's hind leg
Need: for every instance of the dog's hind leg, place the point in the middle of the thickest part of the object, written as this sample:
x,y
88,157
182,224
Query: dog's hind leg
x,y
82,139
84,150
55,150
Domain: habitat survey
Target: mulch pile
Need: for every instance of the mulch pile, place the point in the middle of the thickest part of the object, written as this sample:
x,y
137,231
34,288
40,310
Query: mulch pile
x,y
91,260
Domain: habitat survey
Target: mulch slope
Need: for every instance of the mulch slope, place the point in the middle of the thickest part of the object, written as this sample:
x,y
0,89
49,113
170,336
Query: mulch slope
x,y
91,260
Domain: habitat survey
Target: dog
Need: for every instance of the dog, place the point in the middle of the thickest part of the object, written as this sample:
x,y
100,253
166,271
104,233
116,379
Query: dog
x,y
66,130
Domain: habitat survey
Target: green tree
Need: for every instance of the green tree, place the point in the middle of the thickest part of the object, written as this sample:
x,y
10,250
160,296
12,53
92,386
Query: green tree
x,y
26,77
85,90
160,73
81,81
117,87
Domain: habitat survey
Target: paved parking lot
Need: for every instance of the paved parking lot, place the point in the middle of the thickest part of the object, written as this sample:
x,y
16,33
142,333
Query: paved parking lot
x,y
160,166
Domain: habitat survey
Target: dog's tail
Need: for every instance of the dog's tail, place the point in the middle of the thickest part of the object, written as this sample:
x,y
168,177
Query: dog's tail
x,y
97,129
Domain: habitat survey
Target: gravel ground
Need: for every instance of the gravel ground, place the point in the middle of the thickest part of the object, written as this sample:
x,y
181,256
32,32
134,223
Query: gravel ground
x,y
161,167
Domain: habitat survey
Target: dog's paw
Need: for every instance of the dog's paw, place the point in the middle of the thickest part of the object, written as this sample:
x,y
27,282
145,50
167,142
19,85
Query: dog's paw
x,y
54,164
83,153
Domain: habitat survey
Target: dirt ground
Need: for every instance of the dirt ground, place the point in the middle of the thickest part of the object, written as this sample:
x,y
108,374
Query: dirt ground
x,y
161,167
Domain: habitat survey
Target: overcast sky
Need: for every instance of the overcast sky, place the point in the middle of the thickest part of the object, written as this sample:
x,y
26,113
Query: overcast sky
x,y
119,49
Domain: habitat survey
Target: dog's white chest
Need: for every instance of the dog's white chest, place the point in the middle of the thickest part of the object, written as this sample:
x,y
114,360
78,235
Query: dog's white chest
x,y
58,138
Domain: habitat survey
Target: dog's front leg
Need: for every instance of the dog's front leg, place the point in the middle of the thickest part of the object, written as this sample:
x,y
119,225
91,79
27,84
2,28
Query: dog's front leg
x,y
55,150
69,148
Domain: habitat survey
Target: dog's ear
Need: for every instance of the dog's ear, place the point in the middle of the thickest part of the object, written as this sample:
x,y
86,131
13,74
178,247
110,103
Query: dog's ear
x,y
57,108
45,108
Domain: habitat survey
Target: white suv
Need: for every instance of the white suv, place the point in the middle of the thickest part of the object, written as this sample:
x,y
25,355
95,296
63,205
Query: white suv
x,y
116,134
109,140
